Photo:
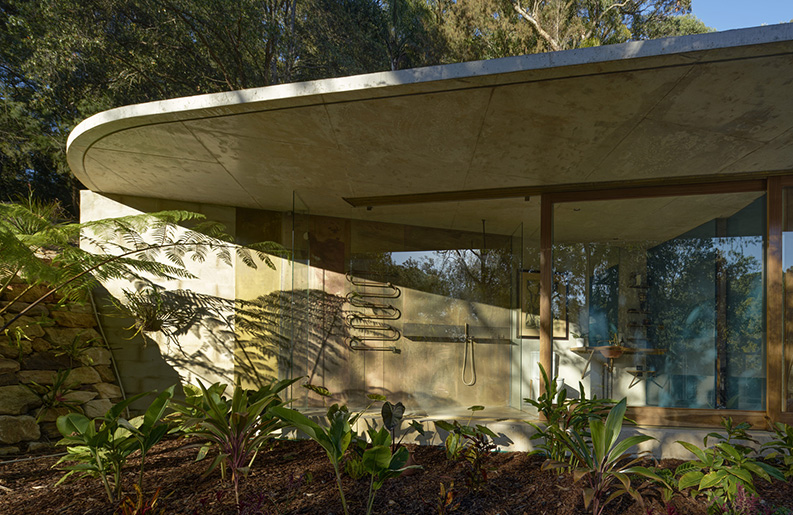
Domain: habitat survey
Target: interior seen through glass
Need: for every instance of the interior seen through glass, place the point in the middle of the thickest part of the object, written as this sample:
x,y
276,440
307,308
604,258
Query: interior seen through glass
x,y
662,300
425,316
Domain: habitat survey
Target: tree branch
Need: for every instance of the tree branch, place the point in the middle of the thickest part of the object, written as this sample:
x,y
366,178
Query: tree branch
x,y
536,25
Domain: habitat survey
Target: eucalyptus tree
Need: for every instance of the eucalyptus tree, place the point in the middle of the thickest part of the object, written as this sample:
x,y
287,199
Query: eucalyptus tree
x,y
481,29
565,24
62,61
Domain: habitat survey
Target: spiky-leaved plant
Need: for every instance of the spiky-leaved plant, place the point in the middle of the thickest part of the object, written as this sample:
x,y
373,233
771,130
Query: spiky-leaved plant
x,y
561,416
236,427
603,462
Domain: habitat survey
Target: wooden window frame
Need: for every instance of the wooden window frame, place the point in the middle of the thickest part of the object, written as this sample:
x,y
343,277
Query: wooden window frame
x,y
772,186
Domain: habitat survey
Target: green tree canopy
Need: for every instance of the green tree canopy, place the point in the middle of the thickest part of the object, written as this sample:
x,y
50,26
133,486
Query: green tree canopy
x,y
62,61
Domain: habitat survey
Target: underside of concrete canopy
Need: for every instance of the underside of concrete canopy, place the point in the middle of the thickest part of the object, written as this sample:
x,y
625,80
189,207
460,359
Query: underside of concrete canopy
x,y
708,106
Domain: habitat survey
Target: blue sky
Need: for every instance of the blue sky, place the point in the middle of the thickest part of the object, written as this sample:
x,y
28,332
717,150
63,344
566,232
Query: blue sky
x,y
736,14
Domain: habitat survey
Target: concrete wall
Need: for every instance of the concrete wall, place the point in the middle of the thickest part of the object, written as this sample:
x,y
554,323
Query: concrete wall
x,y
206,351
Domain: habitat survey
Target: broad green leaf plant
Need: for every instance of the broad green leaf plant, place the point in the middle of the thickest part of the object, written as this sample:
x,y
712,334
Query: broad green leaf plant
x,y
100,447
381,463
781,447
334,439
720,469
604,464
392,420
237,428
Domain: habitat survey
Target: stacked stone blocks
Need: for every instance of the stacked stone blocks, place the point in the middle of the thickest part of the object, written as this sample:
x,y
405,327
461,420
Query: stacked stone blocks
x,y
53,337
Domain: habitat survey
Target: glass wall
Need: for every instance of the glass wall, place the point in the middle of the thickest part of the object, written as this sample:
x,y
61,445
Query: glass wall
x,y
423,315
787,281
661,300
429,315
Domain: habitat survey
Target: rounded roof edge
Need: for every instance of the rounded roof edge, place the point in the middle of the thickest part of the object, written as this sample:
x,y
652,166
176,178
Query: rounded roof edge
x,y
372,85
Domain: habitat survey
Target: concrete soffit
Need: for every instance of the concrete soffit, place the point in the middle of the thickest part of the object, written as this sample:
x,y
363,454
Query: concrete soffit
x,y
713,105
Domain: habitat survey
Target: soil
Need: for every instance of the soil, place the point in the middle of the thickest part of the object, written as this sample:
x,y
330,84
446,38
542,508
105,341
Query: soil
x,y
295,477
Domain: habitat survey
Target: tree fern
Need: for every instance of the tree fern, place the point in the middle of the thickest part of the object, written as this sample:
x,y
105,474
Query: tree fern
x,y
129,247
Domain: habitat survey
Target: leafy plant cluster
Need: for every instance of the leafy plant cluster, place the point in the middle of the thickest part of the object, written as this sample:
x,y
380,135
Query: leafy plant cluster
x,y
234,430
47,252
471,446
725,472
374,453
100,447
602,461
563,416
576,438
237,427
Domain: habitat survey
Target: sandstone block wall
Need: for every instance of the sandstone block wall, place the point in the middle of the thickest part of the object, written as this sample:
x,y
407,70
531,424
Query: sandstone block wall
x,y
50,339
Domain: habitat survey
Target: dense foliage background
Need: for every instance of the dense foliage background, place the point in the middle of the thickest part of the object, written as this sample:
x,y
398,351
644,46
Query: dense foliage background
x,y
64,60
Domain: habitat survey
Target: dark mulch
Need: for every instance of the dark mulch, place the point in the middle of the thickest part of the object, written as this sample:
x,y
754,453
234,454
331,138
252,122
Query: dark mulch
x,y
295,477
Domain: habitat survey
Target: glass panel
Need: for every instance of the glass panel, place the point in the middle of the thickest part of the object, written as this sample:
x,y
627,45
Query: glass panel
x,y
528,312
299,319
664,299
787,270
263,301
448,317
425,314
518,388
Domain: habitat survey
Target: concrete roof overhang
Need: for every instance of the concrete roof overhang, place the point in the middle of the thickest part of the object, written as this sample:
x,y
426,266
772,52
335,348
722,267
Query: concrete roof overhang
x,y
713,105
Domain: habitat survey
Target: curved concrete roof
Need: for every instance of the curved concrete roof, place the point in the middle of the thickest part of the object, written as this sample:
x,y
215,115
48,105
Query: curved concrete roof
x,y
717,104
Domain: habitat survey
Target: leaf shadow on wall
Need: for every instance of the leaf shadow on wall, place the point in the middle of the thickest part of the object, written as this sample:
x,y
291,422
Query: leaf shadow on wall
x,y
263,337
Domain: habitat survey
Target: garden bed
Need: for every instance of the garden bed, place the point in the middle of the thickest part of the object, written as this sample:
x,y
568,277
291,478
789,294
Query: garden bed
x,y
295,477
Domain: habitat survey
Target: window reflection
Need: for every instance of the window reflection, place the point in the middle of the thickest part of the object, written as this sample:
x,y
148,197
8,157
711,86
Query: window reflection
x,y
672,290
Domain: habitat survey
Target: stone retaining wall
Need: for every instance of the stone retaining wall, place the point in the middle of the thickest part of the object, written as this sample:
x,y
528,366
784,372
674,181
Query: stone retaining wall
x,y
49,339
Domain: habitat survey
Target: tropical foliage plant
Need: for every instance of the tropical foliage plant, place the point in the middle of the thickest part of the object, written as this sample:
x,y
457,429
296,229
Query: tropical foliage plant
x,y
381,463
155,244
236,427
100,447
563,415
334,439
604,463
745,503
56,395
74,349
392,420
720,469
470,445
781,448
146,306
